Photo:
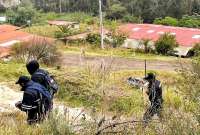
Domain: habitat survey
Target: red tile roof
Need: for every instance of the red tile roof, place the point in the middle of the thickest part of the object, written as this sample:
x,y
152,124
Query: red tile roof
x,y
9,33
185,36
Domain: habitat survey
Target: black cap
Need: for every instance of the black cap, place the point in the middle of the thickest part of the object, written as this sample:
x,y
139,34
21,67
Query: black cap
x,y
22,79
149,76
32,66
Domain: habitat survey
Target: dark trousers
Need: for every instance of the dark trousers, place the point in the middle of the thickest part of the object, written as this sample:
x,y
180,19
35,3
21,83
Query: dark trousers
x,y
155,108
32,117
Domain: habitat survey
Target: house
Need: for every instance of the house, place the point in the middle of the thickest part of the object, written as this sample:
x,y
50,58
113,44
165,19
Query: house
x,y
186,37
74,25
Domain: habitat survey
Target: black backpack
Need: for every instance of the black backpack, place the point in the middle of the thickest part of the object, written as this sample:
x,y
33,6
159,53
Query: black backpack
x,y
50,82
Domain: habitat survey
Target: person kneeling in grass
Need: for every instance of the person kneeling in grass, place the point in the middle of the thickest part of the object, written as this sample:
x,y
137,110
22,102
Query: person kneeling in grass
x,y
36,100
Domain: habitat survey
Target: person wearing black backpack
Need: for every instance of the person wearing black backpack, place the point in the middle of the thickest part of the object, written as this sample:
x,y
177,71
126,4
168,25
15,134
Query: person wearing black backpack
x,y
42,76
36,100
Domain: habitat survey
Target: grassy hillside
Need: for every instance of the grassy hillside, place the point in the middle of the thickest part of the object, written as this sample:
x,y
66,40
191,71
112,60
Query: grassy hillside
x,y
100,89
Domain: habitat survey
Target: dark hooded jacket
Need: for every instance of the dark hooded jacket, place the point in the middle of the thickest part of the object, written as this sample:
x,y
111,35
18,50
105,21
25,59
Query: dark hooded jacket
x,y
33,69
155,91
33,94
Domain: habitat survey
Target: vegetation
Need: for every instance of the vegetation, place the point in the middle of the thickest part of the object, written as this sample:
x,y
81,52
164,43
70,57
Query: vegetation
x,y
146,45
126,10
166,21
116,11
97,87
23,15
148,10
166,44
39,49
186,21
94,39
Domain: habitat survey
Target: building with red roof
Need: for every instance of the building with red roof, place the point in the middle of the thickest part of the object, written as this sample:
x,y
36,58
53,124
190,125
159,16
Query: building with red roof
x,y
186,37
10,35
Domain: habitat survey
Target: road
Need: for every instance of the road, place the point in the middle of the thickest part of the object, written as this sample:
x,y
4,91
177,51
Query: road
x,y
73,60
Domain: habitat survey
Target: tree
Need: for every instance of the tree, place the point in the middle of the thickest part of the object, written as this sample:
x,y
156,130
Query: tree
x,y
166,44
22,15
117,11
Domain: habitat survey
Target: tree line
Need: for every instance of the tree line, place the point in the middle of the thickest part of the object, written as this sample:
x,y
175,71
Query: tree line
x,y
148,10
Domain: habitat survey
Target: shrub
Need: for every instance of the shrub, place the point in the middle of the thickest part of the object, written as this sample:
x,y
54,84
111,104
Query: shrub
x,y
145,43
195,51
63,32
169,21
117,39
37,48
190,21
94,39
132,19
166,44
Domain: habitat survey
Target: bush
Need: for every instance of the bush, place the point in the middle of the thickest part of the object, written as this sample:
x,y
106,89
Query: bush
x,y
166,44
94,39
145,43
195,51
132,19
37,48
169,21
117,39
190,21
64,32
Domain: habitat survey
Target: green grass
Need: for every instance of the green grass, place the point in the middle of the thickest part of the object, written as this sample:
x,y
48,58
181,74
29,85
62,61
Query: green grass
x,y
90,86
42,30
105,90
14,124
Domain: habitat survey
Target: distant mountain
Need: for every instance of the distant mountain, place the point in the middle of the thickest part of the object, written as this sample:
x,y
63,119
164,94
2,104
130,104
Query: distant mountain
x,y
8,3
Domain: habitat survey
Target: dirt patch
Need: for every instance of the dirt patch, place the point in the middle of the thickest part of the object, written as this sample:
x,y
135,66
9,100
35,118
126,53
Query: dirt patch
x,y
72,60
8,98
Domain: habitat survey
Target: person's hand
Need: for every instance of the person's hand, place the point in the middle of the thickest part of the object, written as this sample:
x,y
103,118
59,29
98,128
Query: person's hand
x,y
18,104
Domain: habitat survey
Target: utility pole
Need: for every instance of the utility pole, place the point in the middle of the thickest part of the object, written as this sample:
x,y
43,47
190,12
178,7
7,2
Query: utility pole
x,y
101,24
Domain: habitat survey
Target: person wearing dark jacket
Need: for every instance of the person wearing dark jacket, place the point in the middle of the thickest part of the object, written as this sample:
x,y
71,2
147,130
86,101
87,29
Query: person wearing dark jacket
x,y
33,67
42,76
155,97
36,99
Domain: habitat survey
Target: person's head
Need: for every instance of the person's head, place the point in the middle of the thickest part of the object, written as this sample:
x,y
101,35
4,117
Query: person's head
x,y
150,77
32,66
23,80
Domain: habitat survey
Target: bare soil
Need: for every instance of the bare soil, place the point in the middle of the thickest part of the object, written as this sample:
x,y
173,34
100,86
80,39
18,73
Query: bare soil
x,y
74,60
